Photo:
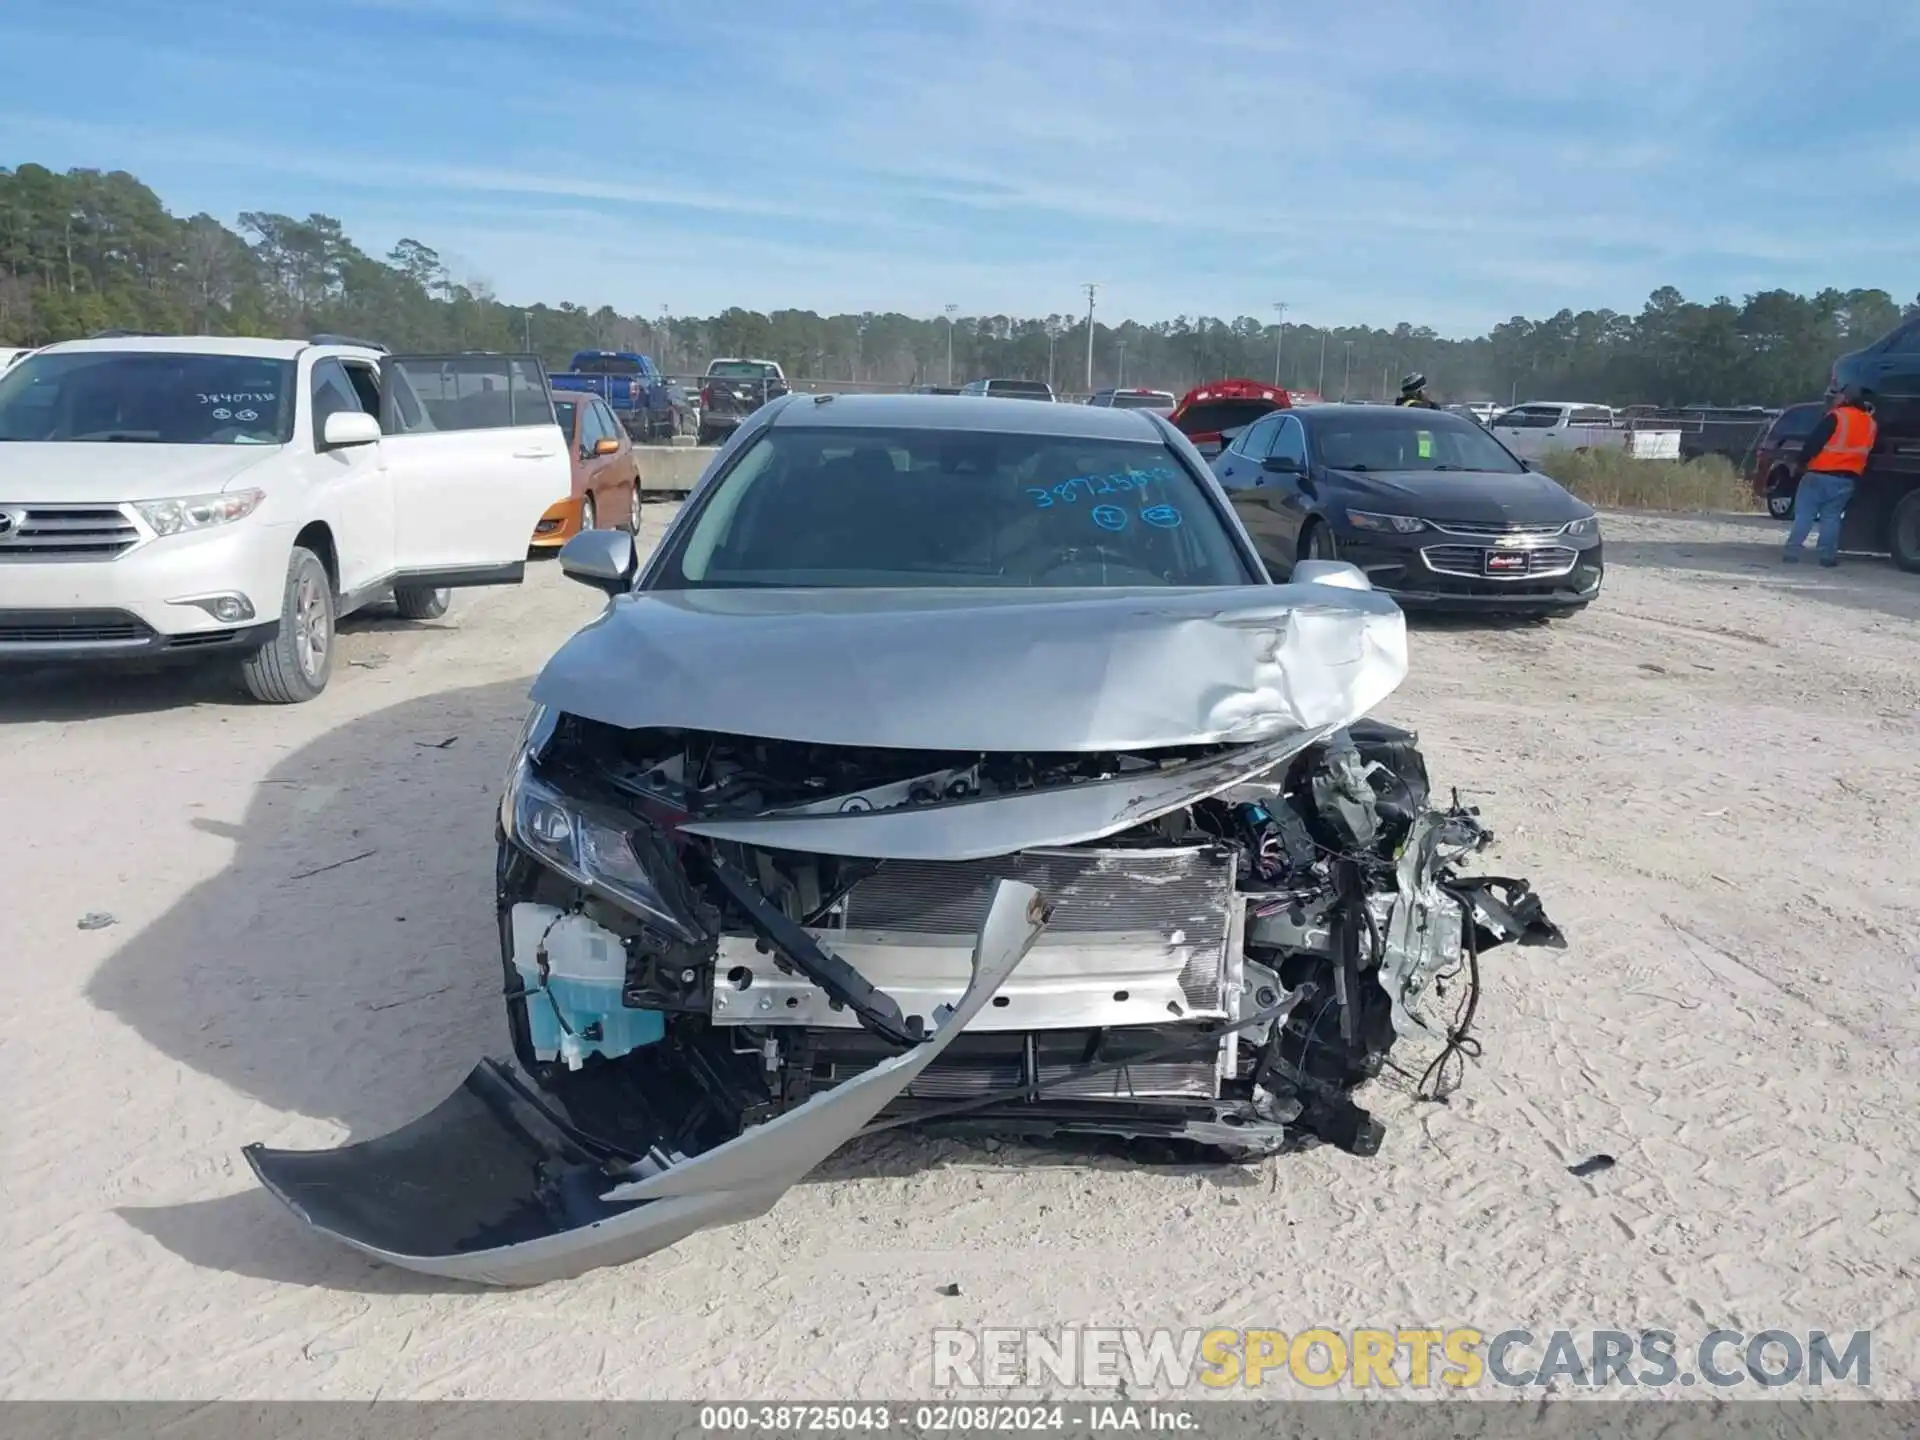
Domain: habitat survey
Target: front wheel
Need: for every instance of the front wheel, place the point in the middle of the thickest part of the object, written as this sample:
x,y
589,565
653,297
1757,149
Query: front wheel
x,y
1780,490
707,436
415,602
633,509
295,665
1319,543
1903,531
589,516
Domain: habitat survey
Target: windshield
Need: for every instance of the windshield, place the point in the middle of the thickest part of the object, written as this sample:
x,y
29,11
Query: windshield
x,y
1019,389
740,370
846,509
1150,400
563,412
1210,417
148,396
1409,440
1528,419
605,365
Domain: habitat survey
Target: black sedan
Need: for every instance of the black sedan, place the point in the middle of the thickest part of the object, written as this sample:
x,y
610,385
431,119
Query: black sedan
x,y
1438,513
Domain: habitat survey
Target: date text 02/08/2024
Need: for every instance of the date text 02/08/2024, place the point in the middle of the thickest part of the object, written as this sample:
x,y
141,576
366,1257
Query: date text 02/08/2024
x,y
1109,517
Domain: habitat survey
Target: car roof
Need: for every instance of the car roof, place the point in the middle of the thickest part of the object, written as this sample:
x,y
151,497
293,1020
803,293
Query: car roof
x,y
960,412
245,346
1382,416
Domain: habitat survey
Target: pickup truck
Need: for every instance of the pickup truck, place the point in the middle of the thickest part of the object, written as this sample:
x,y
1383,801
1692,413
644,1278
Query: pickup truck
x,y
732,390
1531,430
632,386
228,501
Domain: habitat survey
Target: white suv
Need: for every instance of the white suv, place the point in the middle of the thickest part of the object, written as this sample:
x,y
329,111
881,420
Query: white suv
x,y
194,496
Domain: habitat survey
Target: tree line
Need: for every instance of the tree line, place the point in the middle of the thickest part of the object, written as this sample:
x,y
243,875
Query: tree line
x,y
92,250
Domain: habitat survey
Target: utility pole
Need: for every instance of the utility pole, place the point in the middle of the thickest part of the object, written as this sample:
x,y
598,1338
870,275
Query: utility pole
x,y
1320,389
526,321
1280,338
1053,335
1121,379
1091,286
950,312
1386,375
1347,384
666,336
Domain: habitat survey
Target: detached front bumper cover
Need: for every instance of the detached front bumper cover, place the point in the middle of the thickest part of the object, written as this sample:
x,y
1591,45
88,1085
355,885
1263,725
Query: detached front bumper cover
x,y
495,1186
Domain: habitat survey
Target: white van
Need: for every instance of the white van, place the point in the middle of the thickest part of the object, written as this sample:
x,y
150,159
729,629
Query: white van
x,y
198,496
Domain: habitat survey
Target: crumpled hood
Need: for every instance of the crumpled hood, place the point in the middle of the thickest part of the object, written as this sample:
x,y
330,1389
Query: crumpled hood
x,y
986,670
83,472
1481,495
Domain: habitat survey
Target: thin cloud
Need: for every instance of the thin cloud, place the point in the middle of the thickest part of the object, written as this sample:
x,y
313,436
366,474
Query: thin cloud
x,y
1199,156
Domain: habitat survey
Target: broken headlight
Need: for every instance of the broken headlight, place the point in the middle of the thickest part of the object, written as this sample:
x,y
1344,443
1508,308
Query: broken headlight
x,y
588,844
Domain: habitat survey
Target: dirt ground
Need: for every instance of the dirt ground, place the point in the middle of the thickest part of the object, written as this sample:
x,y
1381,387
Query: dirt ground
x,y
1711,777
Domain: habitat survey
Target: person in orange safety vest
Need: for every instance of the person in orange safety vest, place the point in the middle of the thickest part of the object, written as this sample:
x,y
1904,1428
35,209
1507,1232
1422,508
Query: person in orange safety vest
x,y
1832,462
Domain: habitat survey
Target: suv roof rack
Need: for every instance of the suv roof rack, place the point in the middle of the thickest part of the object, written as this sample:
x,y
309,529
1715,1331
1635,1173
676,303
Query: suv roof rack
x,y
347,340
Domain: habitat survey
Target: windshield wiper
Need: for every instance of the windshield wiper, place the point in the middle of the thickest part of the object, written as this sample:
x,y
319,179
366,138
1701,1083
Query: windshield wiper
x,y
1446,467
125,437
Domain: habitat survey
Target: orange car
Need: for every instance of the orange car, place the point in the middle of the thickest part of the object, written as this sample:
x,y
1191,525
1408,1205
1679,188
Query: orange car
x,y
606,474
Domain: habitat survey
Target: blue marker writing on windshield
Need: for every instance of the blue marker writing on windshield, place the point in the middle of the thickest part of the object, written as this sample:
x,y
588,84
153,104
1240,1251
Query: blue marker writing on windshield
x,y
1109,517
1164,517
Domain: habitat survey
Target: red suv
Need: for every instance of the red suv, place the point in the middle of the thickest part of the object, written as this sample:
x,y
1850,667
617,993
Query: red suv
x,y
1219,405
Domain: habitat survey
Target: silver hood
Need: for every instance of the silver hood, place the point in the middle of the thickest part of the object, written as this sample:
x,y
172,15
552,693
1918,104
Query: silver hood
x,y
986,670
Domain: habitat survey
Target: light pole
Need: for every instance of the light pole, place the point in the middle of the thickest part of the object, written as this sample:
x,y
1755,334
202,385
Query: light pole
x,y
1279,339
1320,388
666,337
950,311
1347,384
1121,379
1053,334
1092,285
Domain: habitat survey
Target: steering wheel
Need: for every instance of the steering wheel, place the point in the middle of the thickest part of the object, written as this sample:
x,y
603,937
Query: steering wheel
x,y
1069,556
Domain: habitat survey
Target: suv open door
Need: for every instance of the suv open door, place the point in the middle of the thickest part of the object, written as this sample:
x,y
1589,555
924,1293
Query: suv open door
x,y
476,457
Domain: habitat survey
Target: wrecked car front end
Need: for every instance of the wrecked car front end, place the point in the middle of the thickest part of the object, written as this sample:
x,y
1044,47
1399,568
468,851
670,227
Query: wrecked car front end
x,y
1120,867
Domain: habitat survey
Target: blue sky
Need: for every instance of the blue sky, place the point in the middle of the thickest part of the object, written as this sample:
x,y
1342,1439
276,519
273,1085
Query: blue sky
x,y
1448,163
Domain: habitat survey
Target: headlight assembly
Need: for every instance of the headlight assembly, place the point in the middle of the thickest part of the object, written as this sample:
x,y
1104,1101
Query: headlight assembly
x,y
1393,524
586,843
199,512
1586,525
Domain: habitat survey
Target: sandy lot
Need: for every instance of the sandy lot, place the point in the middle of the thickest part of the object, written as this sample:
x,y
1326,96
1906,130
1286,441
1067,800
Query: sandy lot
x,y
1711,777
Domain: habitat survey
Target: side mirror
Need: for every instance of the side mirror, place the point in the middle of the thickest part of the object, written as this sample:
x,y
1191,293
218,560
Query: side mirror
x,y
1281,465
349,427
606,445
601,559
1337,573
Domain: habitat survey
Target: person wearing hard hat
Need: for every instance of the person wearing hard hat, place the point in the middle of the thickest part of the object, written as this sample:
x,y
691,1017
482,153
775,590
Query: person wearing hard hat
x,y
1831,464
1413,391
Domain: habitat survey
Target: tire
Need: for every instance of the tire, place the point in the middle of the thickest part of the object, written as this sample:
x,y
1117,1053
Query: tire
x,y
1560,612
1780,492
416,602
296,664
589,513
1903,531
707,436
633,510
1318,543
